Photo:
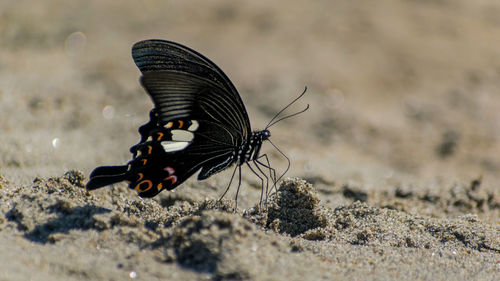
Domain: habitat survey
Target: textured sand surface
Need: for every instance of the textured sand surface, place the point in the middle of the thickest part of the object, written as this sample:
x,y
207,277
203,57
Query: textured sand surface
x,y
395,168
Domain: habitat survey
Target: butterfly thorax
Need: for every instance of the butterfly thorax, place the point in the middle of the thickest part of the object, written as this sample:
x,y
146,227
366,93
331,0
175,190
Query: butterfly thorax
x,y
250,150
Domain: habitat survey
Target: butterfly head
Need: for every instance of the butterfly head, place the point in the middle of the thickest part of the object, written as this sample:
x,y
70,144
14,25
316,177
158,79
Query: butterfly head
x,y
265,134
258,137
262,136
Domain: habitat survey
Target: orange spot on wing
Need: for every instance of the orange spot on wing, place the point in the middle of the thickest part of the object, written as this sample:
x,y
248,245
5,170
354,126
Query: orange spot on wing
x,y
144,161
141,175
181,123
160,136
139,188
169,125
150,148
159,186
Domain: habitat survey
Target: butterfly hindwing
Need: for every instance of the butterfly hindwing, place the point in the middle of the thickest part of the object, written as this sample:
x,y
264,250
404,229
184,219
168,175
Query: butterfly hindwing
x,y
104,175
174,152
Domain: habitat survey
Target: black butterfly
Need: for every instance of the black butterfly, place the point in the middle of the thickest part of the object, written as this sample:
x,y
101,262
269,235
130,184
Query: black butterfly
x,y
199,122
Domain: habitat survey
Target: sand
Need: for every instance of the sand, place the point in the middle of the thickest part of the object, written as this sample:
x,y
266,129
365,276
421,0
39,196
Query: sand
x,y
394,169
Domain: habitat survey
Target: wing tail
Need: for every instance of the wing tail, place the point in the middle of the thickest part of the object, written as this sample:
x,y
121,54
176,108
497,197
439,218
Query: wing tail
x,y
107,175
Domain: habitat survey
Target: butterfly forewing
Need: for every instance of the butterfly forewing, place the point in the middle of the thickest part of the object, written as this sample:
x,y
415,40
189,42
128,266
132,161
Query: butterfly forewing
x,y
185,66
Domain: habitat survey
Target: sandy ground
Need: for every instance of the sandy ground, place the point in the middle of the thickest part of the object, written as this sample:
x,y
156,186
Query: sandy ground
x,y
395,168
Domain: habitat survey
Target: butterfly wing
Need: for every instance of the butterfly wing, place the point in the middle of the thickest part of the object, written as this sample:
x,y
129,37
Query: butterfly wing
x,y
182,83
174,153
169,156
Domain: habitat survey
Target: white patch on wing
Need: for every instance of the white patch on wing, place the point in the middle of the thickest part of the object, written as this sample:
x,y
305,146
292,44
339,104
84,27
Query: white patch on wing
x,y
194,126
182,135
171,146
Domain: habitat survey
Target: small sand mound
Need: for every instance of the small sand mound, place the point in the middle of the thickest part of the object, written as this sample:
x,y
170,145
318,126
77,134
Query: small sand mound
x,y
294,208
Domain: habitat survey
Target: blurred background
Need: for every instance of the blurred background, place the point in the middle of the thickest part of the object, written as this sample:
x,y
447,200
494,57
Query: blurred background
x,y
401,92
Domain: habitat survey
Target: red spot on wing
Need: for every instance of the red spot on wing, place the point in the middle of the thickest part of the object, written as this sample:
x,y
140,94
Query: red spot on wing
x,y
170,170
173,178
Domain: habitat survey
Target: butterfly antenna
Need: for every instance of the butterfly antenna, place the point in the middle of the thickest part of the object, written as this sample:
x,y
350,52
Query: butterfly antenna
x,y
286,117
287,159
281,111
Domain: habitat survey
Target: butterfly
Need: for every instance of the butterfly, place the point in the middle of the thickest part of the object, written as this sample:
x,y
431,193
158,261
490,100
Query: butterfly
x,y
198,123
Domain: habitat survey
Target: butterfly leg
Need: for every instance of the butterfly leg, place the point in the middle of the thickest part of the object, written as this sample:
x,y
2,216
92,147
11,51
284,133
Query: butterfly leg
x,y
261,180
286,157
272,172
229,185
237,190
257,164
